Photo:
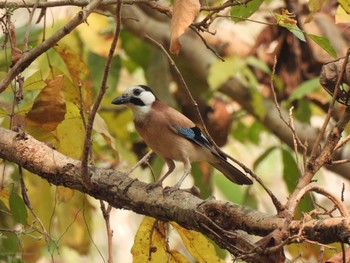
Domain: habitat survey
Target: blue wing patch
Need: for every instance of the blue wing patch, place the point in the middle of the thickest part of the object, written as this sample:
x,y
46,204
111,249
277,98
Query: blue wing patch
x,y
195,135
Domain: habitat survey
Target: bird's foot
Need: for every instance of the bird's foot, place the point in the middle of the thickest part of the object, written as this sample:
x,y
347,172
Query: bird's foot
x,y
170,189
151,186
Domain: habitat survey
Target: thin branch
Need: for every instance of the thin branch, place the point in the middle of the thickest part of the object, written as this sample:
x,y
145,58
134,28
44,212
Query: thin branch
x,y
91,118
313,188
27,58
330,109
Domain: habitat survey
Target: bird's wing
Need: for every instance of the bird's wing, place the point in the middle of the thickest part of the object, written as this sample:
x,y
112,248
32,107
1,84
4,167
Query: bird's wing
x,y
187,129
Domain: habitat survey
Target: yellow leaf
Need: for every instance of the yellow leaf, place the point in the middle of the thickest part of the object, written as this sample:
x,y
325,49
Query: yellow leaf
x,y
64,194
49,107
314,7
101,127
341,16
198,245
4,197
150,244
97,34
80,76
185,11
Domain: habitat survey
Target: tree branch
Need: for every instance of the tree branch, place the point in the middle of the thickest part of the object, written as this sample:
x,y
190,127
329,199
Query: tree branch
x,y
28,57
217,219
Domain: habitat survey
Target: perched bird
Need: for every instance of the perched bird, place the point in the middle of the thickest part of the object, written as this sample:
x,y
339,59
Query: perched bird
x,y
173,136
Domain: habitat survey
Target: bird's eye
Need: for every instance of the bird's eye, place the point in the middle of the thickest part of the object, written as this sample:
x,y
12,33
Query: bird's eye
x,y
137,92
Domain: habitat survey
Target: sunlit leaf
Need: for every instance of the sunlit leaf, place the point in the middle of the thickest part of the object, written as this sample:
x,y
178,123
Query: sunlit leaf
x,y
97,34
4,197
34,82
244,11
80,76
345,5
150,244
288,21
324,43
101,127
184,12
198,245
258,104
314,7
49,107
304,89
221,71
341,16
71,133
18,208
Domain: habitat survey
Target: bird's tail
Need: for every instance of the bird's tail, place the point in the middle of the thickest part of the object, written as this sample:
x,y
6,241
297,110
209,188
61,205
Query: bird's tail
x,y
231,172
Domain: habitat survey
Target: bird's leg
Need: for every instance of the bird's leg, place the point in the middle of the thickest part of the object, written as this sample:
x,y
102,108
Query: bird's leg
x,y
187,170
171,167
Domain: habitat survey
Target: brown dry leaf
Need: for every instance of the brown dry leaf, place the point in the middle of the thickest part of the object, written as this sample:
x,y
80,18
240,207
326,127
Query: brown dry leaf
x,y
16,55
49,107
185,11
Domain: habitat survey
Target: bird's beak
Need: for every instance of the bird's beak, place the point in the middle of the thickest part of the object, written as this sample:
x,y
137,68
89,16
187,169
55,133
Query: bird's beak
x,y
123,99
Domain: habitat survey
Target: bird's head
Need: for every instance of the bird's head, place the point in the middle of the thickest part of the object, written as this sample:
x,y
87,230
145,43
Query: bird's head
x,y
138,98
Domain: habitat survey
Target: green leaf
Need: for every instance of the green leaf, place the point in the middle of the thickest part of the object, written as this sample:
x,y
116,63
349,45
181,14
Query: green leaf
x,y
243,11
303,111
97,64
259,64
232,192
324,43
254,132
258,104
291,172
137,50
291,176
304,89
287,21
263,156
221,71
18,208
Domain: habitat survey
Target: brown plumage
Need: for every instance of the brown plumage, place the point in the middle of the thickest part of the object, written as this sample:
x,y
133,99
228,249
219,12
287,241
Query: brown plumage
x,y
173,136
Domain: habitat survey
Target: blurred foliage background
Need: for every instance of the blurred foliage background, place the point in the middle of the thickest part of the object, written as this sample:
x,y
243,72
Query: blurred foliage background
x,y
60,86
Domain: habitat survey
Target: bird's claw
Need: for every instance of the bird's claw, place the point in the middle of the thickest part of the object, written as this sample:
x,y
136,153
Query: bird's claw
x,y
151,186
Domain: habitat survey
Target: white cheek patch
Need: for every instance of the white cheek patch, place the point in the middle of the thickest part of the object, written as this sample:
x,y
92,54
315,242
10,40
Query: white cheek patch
x,y
147,97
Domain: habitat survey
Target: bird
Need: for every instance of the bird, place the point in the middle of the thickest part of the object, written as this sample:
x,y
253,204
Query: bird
x,y
173,136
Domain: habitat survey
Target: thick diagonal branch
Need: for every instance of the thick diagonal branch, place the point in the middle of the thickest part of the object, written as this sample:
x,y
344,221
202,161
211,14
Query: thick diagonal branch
x,y
216,219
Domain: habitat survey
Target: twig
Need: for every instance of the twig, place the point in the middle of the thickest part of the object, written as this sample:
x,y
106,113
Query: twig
x,y
27,58
29,206
91,118
141,161
330,110
311,187
26,35
290,123
106,212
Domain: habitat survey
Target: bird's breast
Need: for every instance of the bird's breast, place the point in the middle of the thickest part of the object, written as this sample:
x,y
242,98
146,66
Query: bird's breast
x,y
165,142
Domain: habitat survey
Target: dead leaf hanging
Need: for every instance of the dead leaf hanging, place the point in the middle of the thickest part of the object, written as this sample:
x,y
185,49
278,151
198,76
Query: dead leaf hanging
x,y
184,12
